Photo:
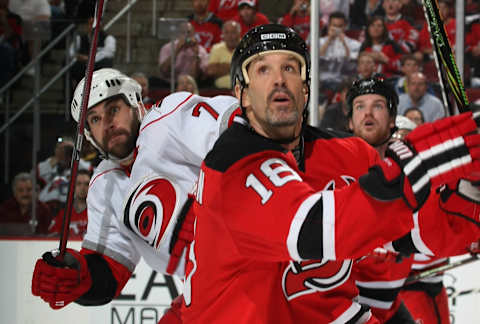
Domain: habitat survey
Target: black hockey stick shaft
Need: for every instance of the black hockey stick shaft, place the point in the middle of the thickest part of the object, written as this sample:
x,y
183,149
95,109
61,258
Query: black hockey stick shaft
x,y
80,132
444,59
434,271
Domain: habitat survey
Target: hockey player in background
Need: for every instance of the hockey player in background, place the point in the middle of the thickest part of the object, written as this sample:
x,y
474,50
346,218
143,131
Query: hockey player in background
x,y
270,246
114,242
372,111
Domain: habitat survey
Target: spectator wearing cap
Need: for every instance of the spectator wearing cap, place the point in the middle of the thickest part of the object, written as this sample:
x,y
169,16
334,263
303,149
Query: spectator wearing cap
x,y
248,16
207,26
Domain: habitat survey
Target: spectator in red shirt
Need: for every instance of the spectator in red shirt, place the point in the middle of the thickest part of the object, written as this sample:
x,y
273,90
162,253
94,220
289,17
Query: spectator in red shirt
x,y
78,218
472,52
400,29
248,16
386,52
224,9
298,18
18,209
424,46
208,27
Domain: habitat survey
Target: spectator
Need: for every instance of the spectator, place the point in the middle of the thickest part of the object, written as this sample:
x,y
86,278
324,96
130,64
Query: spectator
x,y
326,8
53,174
78,218
472,52
142,79
221,55
190,57
366,66
361,11
11,33
187,83
248,16
424,46
417,96
336,114
17,210
413,10
404,126
298,18
400,29
386,52
409,64
224,9
207,26
415,115
337,52
80,48
31,12
274,10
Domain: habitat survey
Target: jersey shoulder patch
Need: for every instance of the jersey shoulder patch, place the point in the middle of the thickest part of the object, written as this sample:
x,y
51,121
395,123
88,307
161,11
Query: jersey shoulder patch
x,y
236,143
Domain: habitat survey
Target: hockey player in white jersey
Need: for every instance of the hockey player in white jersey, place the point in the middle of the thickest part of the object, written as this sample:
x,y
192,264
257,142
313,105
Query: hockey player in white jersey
x,y
184,128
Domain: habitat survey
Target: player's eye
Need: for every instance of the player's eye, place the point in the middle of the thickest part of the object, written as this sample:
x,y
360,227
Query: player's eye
x,y
92,120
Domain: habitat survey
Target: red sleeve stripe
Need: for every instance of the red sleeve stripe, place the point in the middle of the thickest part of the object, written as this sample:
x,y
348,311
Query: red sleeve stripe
x,y
163,116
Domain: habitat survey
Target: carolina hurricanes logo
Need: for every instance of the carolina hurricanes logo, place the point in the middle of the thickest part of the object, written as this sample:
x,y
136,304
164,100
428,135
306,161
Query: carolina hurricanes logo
x,y
150,208
314,276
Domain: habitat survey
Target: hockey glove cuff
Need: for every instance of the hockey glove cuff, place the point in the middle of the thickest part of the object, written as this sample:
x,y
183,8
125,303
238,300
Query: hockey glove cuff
x,y
462,200
433,154
59,283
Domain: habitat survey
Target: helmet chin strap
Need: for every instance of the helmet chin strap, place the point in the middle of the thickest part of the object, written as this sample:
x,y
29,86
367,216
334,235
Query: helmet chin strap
x,y
392,131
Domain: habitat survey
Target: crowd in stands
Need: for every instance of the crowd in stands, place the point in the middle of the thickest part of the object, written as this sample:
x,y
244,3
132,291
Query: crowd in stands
x,y
358,39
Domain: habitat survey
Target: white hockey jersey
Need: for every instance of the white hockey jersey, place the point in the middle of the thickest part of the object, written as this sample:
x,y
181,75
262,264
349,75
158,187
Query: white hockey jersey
x,y
134,217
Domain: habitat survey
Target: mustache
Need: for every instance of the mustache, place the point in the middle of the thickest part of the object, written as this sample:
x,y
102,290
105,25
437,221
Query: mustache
x,y
114,133
280,90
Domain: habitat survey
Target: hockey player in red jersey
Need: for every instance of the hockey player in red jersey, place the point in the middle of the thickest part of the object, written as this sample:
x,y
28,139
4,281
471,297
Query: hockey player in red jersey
x,y
378,276
271,246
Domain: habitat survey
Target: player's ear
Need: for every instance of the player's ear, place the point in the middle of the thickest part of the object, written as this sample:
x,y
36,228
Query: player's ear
x,y
242,95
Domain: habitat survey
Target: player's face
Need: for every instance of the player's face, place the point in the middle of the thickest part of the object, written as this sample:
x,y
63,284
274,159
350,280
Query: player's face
x,y
275,98
371,118
23,192
114,126
81,186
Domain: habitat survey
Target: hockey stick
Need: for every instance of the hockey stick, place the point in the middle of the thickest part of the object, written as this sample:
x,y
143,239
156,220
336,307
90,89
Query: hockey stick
x,y
434,271
444,58
80,132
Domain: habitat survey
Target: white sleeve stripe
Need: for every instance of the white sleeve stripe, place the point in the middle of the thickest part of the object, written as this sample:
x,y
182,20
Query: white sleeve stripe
x,y
434,150
328,225
381,284
417,238
374,302
348,314
296,225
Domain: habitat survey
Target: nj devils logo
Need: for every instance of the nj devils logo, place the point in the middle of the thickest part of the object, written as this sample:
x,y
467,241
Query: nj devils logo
x,y
314,276
150,208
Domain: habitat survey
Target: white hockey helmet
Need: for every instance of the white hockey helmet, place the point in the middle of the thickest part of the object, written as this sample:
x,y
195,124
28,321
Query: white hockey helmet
x,y
106,83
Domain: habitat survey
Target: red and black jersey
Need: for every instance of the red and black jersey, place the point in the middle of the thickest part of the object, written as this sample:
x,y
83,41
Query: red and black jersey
x,y
272,243
403,33
260,19
207,31
393,51
224,9
424,36
301,24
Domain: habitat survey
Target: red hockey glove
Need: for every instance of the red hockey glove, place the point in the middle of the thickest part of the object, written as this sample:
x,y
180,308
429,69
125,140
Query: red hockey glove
x,y
182,235
60,283
433,154
462,200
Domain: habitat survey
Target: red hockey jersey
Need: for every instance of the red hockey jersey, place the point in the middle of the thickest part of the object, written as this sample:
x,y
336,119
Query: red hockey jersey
x,y
269,242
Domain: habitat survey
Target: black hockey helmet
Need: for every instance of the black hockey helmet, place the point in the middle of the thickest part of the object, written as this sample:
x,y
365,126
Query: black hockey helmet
x,y
373,85
267,38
